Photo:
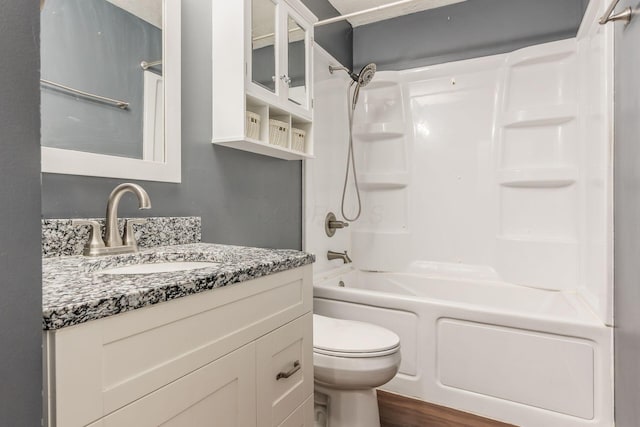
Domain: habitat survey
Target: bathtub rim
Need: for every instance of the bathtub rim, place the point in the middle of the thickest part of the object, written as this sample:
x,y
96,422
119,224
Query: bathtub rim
x,y
586,316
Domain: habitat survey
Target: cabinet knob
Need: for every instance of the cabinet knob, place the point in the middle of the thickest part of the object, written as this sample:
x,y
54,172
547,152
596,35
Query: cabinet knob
x,y
285,375
286,79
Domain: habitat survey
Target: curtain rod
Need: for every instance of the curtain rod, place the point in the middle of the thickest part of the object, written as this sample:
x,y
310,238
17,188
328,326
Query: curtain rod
x,y
363,12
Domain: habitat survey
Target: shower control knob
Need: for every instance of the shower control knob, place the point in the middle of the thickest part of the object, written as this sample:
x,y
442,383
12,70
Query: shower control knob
x,y
331,224
338,224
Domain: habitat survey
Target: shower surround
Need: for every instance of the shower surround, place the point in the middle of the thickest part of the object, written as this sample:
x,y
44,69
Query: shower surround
x,y
486,235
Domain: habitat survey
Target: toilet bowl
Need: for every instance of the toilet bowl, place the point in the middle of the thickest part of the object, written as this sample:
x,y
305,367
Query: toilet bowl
x,y
351,359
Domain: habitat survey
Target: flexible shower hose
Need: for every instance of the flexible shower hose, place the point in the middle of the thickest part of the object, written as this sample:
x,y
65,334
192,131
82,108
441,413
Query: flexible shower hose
x,y
351,158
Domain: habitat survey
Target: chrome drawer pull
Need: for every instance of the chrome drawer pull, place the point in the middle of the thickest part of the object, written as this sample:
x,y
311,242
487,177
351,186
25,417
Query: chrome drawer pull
x,y
285,375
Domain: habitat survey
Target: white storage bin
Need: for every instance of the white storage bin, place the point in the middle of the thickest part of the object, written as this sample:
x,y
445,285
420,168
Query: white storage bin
x,y
297,139
278,133
252,126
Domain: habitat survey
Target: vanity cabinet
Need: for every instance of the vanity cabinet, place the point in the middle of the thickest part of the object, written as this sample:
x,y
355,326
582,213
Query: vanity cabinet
x,y
262,77
240,355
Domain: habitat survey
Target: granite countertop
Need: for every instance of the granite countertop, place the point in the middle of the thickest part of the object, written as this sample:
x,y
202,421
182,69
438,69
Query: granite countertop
x,y
74,291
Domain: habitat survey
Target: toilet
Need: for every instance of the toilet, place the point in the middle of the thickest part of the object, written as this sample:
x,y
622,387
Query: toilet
x,y
351,359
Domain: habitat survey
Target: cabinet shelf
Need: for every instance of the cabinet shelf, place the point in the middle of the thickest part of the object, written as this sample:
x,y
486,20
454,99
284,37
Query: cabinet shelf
x,y
259,147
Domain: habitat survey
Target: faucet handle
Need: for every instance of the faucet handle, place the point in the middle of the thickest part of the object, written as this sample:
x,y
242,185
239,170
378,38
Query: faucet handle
x,y
129,237
95,236
331,224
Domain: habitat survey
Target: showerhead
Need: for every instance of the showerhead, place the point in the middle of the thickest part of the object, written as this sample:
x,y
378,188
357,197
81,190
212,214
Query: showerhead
x,y
366,74
363,78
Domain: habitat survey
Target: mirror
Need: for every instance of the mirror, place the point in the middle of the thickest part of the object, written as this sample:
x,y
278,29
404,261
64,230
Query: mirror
x,y
110,88
297,62
263,40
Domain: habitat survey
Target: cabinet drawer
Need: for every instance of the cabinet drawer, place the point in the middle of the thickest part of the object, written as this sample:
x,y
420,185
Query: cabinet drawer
x,y
220,393
302,417
284,360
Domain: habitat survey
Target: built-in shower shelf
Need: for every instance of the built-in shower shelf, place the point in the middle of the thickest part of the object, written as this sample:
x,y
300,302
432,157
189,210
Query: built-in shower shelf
x,y
537,239
383,181
544,115
384,80
264,148
378,131
551,177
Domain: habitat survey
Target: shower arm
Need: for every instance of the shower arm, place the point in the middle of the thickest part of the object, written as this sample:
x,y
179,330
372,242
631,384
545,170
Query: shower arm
x,y
334,68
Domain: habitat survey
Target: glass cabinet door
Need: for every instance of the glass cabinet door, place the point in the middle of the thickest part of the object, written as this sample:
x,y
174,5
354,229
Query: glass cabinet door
x,y
296,69
263,44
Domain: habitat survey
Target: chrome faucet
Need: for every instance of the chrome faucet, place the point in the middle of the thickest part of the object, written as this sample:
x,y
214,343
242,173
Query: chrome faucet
x,y
113,243
331,255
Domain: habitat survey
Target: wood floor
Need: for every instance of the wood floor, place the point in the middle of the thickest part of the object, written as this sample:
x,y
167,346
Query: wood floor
x,y
401,411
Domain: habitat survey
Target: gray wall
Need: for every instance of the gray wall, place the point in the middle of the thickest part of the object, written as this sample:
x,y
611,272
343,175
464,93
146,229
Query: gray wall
x,y
626,223
97,47
243,198
337,39
20,267
464,30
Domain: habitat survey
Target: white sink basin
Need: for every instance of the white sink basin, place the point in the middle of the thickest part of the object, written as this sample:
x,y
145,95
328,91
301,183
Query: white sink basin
x,y
160,267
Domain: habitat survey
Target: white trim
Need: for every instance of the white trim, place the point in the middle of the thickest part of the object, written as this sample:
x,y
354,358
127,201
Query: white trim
x,y
71,162
153,117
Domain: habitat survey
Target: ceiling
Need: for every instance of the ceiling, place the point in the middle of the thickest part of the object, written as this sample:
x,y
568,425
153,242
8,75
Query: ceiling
x,y
349,6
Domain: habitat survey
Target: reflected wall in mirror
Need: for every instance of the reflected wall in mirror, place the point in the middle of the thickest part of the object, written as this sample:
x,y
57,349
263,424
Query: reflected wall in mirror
x,y
110,88
297,62
263,40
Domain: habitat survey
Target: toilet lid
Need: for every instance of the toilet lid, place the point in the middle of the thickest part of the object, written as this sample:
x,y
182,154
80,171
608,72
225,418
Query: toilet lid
x,y
349,337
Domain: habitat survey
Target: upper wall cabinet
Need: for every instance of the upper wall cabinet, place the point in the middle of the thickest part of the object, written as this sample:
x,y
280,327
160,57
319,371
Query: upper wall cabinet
x,y
262,77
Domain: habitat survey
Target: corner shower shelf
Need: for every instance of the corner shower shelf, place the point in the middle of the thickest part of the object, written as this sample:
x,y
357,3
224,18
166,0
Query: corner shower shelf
x,y
378,131
383,181
540,116
519,238
391,79
550,177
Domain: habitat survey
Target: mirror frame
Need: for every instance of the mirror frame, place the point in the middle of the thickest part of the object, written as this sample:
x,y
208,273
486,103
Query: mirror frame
x,y
71,162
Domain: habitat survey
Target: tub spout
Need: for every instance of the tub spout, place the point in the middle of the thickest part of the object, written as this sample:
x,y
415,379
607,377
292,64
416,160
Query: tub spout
x,y
339,255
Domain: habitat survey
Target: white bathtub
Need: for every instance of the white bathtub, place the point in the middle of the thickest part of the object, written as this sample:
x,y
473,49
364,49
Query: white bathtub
x,y
526,356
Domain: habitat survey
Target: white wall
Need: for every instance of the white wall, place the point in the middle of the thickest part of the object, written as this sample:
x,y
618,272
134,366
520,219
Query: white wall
x,y
324,175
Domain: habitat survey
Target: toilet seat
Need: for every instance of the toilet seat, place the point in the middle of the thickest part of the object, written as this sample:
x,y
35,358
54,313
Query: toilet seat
x,y
352,339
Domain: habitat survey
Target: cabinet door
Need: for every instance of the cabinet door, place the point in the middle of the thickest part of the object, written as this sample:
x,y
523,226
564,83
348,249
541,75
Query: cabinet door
x,y
302,417
221,393
285,370
263,55
296,60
